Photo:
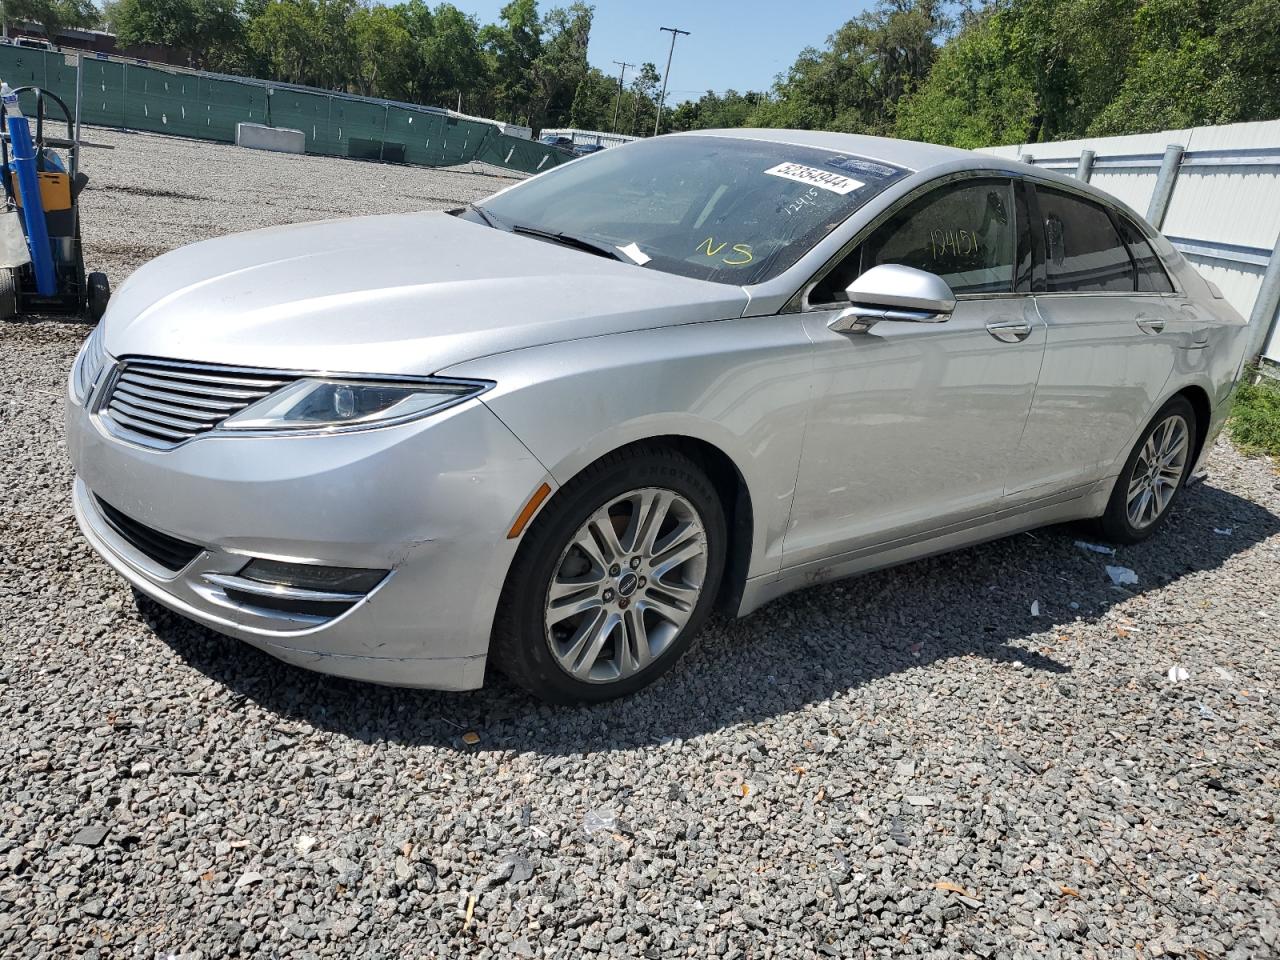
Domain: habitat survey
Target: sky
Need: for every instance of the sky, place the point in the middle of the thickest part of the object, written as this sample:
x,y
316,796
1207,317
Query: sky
x,y
741,44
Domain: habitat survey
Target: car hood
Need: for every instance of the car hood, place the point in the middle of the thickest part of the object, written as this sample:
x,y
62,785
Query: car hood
x,y
401,294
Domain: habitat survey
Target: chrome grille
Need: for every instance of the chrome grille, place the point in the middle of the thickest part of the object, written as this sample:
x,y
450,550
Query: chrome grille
x,y
162,404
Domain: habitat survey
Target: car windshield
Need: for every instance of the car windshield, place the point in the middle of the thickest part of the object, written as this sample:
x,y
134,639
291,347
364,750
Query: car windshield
x,y
715,208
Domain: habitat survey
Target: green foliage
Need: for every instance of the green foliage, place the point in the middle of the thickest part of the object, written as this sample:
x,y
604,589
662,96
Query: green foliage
x,y
713,111
1197,62
1255,415
975,96
52,15
1038,70
869,64
211,31
527,68
385,53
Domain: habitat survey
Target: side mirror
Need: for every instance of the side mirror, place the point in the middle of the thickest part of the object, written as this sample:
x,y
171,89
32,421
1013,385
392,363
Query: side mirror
x,y
892,291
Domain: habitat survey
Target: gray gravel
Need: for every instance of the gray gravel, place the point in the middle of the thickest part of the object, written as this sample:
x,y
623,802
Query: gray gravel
x,y
908,763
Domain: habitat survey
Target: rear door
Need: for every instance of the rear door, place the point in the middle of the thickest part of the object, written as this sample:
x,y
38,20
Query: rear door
x,y
1113,332
913,425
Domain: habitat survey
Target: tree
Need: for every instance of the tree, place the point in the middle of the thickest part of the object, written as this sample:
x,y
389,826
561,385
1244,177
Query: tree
x,y
210,31
385,52
1204,62
869,64
560,65
975,95
593,101
644,100
512,47
1040,70
53,16
713,110
452,63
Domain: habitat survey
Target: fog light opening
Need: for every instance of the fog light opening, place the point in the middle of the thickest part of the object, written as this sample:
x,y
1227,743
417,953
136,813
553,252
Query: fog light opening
x,y
310,576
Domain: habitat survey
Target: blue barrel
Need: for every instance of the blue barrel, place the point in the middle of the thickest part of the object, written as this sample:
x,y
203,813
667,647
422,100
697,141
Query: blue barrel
x,y
24,165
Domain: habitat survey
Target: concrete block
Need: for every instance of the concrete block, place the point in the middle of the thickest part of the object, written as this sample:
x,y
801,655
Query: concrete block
x,y
256,136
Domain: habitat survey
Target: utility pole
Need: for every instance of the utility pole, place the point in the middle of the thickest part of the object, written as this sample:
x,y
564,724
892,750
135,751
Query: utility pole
x,y
666,76
617,101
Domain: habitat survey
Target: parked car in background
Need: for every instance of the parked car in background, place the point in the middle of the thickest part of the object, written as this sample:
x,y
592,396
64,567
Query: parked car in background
x,y
564,143
582,149
555,429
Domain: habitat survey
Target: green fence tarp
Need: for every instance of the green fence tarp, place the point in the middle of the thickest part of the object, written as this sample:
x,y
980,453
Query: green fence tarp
x,y
141,97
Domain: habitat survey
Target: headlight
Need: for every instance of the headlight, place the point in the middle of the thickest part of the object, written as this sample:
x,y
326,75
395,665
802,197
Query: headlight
x,y
89,364
327,405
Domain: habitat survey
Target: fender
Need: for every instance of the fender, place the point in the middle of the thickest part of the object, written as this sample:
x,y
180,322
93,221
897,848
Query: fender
x,y
741,385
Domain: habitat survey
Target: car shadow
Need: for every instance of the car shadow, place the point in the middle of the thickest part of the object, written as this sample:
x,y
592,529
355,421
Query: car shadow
x,y
801,649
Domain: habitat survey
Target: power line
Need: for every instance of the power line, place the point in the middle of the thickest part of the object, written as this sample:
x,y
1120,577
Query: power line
x,y
675,32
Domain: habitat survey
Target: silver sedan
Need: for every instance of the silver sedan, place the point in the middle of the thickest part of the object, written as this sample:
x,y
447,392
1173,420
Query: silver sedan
x,y
556,429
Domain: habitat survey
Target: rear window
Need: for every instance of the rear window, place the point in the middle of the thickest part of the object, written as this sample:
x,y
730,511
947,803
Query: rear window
x,y
1083,251
1151,277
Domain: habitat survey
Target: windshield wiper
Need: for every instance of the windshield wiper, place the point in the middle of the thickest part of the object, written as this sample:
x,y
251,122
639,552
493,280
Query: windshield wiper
x,y
569,240
486,216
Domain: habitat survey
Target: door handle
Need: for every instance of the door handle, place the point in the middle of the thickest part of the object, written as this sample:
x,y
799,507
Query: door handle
x,y
1150,324
1009,331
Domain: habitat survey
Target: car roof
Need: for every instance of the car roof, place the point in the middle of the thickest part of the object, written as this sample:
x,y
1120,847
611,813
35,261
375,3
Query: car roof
x,y
908,154
916,157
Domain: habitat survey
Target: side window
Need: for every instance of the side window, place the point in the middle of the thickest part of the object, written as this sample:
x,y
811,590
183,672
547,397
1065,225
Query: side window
x,y
1151,275
1082,249
965,232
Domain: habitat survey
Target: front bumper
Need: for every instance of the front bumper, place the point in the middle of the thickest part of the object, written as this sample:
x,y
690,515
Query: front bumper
x,y
431,501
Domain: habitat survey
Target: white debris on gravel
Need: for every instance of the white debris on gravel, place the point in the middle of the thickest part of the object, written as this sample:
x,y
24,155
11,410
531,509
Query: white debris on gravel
x,y
162,785
1121,576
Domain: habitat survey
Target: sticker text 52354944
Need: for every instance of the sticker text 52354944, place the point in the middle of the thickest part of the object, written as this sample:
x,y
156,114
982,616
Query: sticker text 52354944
x,y
816,177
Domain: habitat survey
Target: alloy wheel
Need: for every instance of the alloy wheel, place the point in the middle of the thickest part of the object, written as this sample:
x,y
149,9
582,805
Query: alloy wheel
x,y
1157,471
625,585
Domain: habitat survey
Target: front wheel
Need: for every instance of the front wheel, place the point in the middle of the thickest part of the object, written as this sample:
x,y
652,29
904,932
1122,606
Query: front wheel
x,y
99,295
613,580
1153,476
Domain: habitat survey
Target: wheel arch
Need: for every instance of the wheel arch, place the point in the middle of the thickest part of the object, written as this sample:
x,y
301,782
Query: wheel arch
x,y
1198,397
730,484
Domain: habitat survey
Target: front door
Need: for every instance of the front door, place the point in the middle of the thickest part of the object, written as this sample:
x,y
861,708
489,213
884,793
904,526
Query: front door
x,y
913,425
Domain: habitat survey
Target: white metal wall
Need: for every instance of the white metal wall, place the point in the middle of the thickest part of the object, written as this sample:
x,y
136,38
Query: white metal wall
x,y
1224,212
589,136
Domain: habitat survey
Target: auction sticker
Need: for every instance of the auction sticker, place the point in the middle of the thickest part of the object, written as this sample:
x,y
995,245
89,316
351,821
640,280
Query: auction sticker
x,y
815,177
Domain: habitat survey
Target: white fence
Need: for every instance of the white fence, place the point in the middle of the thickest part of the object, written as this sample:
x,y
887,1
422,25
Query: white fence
x,y
1213,191
598,137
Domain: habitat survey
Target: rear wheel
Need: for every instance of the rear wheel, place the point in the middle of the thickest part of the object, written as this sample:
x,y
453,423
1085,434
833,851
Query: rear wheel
x,y
613,580
1153,476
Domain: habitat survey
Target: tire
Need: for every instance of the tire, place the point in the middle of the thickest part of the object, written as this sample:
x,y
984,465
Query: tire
x,y
99,295
8,293
1138,507
630,608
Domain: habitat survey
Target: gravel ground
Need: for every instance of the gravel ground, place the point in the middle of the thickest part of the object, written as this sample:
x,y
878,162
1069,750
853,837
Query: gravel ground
x,y
909,763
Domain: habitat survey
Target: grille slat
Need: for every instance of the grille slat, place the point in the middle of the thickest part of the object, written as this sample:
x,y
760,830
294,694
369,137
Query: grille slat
x,y
170,552
178,421
163,405
147,428
215,378
198,390
204,404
